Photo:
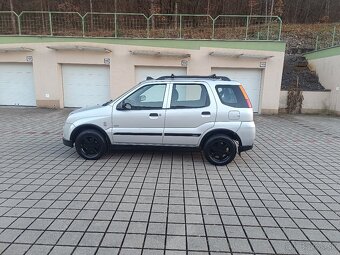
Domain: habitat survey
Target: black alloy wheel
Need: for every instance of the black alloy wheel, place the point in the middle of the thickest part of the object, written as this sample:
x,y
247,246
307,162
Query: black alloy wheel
x,y
220,150
90,144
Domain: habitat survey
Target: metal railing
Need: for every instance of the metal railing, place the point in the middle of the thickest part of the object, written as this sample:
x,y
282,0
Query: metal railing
x,y
328,38
137,25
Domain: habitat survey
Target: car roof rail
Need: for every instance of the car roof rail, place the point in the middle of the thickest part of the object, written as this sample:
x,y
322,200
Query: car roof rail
x,y
212,77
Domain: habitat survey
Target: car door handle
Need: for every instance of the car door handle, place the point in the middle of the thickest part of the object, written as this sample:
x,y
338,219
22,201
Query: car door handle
x,y
206,113
153,115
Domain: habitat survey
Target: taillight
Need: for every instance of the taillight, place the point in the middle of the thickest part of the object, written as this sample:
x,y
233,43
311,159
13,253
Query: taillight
x,y
244,93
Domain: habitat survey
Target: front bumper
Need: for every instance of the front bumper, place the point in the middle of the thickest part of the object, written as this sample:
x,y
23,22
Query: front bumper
x,y
67,143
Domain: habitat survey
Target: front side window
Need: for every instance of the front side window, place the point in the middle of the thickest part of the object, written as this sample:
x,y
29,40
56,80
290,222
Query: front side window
x,y
189,96
147,97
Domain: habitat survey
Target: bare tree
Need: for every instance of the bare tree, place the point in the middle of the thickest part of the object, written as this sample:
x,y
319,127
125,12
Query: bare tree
x,y
14,27
296,11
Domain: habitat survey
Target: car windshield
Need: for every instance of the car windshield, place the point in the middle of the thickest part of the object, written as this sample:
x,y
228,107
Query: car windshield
x,y
122,95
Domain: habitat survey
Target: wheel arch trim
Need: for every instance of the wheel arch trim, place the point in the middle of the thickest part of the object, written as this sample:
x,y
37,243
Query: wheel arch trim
x,y
233,135
83,127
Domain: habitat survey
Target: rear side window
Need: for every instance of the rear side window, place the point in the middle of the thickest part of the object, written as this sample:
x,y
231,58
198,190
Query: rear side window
x,y
232,95
189,96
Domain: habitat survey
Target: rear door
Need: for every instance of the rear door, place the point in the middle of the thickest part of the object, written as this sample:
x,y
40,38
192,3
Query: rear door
x,y
191,111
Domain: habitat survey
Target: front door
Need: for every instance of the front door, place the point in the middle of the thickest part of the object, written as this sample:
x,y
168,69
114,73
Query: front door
x,y
139,117
191,112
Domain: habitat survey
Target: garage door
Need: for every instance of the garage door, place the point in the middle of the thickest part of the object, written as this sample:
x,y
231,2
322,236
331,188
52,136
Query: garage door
x,y
250,80
16,84
85,85
154,71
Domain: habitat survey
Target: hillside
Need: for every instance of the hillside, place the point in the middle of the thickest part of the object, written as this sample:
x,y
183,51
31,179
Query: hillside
x,y
303,37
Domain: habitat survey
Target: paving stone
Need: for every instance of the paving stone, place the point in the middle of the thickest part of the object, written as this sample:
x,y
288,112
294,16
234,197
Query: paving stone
x,y
9,235
40,224
254,232
332,235
16,249
155,241
156,228
70,238
133,241
98,226
28,236
294,234
218,244
91,239
112,240
153,252
84,251
283,196
314,235
195,230
169,252
176,242
176,229
239,245
49,237
261,246
65,250
234,231
39,249
197,243
107,251
130,251
283,247
304,247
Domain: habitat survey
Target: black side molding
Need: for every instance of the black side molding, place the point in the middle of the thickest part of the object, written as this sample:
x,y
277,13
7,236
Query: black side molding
x,y
146,134
182,134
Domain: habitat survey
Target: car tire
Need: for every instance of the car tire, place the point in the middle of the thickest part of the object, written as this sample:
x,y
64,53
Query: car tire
x,y
90,144
219,150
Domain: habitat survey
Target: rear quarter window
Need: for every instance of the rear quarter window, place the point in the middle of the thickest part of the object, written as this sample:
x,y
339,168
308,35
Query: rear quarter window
x,y
231,95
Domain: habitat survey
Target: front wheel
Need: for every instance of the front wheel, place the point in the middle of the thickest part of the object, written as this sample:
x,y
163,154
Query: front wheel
x,y
90,144
219,150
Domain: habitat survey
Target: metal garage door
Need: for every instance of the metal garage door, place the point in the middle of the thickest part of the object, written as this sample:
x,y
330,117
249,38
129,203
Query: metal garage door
x,y
16,84
142,72
249,78
85,85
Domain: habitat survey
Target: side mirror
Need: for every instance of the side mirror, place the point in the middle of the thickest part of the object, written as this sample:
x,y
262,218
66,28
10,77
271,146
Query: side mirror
x,y
127,106
124,106
142,98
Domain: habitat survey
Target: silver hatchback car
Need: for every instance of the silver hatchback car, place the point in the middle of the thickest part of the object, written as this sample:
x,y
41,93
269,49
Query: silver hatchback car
x,y
209,112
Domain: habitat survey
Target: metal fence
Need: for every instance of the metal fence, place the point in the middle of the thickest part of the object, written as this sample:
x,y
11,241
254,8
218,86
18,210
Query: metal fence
x,y
137,25
328,38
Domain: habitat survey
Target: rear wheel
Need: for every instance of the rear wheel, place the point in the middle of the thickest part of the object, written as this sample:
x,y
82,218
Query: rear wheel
x,y
90,144
220,150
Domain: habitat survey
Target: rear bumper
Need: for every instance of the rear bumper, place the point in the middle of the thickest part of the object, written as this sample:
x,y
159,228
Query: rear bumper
x,y
244,148
246,133
67,143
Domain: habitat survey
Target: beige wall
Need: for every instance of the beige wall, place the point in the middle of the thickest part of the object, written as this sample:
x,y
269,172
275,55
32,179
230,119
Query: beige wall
x,y
313,102
328,70
48,75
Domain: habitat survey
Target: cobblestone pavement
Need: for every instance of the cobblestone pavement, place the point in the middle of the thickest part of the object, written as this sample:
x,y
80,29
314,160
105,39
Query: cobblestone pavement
x,y
282,197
